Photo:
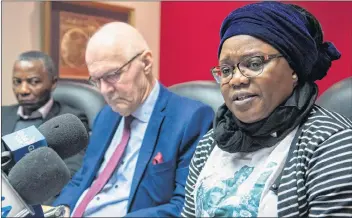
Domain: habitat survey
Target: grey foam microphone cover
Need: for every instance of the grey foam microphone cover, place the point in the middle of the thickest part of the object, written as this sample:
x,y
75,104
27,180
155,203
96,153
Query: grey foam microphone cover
x,y
66,134
39,175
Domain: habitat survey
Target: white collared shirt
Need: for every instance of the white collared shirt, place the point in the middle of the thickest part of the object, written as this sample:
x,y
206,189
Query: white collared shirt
x,y
113,198
44,110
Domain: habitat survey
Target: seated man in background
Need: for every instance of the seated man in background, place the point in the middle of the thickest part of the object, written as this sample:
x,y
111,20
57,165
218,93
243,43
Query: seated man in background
x,y
34,78
142,142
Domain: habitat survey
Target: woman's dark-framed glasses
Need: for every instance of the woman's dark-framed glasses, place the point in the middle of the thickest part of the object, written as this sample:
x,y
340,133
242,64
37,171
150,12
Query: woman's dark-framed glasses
x,y
111,77
248,67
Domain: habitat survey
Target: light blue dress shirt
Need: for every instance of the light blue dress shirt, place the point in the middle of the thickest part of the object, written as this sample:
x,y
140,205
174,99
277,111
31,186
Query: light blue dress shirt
x,y
113,199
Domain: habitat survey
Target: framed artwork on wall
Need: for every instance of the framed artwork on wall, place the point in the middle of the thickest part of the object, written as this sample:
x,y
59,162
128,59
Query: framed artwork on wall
x,y
67,27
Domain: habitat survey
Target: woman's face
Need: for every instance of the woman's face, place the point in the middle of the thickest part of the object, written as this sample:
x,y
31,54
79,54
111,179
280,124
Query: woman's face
x,y
253,99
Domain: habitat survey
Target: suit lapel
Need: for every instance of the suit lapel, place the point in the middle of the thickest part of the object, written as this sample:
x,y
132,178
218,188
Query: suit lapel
x,y
54,111
149,140
10,117
9,120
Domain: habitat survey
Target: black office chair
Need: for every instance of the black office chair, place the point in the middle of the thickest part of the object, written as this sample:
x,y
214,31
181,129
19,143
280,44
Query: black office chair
x,y
207,92
338,98
80,96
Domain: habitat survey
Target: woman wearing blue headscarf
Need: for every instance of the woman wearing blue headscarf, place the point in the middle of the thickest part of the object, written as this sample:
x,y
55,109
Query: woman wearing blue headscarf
x,y
272,152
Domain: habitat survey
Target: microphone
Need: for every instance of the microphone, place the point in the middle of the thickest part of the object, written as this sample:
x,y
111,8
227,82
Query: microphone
x,y
12,205
66,134
23,141
6,160
39,175
35,178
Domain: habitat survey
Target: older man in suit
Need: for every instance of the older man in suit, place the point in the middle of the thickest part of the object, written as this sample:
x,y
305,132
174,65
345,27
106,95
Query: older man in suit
x,y
34,78
142,142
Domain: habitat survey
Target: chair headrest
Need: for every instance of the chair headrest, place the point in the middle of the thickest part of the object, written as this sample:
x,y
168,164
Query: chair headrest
x,y
207,92
81,96
338,98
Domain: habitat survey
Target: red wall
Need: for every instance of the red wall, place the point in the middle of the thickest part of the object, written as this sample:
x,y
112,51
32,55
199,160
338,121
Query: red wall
x,y
190,37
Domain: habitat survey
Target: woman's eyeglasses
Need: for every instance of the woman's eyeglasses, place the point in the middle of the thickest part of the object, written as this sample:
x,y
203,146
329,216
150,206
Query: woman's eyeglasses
x,y
249,67
111,77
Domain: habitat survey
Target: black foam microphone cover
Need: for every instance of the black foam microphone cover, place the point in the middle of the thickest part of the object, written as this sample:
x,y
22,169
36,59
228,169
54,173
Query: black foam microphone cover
x,y
66,134
6,161
39,175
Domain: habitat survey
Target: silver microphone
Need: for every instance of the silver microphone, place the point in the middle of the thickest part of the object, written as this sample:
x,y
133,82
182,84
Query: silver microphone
x,y
12,205
55,212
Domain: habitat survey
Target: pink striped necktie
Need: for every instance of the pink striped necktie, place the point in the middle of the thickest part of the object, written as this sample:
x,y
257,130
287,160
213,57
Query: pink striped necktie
x,y
108,170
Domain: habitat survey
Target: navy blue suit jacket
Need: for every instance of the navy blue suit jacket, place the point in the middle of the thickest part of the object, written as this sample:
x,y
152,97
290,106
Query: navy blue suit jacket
x,y
175,127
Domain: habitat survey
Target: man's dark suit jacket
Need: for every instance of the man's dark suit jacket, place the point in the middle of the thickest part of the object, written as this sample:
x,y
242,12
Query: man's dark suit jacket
x,y
9,118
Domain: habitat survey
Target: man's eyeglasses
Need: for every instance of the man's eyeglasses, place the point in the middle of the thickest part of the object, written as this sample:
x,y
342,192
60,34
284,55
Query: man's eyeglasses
x,y
111,77
249,67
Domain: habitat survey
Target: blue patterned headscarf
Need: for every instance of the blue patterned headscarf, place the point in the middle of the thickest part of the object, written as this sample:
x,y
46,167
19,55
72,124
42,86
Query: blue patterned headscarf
x,y
286,29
